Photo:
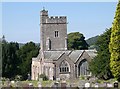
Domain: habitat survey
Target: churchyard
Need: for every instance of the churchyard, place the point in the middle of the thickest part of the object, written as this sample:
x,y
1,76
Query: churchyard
x,y
77,84
60,73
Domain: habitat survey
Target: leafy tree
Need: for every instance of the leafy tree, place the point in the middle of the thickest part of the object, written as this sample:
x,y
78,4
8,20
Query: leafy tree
x,y
76,40
16,61
25,54
9,59
99,66
114,45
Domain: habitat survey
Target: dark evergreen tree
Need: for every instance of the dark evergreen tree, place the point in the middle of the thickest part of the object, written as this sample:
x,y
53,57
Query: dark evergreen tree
x,y
0,57
25,54
17,61
9,59
99,66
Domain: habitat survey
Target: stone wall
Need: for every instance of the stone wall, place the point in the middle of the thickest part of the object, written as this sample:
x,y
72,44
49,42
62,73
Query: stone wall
x,y
49,70
48,26
39,68
36,69
56,19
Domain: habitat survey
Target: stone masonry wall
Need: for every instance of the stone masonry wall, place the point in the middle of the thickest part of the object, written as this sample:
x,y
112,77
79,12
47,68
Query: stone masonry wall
x,y
48,27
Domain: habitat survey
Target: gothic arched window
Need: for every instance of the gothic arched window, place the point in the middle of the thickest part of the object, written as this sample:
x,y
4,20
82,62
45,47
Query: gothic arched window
x,y
64,67
83,68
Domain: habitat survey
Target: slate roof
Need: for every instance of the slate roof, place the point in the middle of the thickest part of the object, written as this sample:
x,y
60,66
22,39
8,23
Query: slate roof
x,y
91,53
54,55
73,54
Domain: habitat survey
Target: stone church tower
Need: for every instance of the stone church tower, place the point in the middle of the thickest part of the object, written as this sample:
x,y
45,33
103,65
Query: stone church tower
x,y
54,59
53,32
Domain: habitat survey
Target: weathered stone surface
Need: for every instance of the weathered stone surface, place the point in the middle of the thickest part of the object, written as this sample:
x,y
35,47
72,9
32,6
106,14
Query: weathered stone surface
x,y
54,54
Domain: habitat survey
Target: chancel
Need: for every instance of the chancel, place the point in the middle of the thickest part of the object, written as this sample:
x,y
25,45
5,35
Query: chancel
x,y
54,59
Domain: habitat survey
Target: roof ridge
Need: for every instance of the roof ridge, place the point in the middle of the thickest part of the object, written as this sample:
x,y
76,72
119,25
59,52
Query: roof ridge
x,y
70,52
61,55
80,55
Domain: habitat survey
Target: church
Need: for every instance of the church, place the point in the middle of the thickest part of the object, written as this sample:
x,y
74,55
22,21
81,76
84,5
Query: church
x,y
54,59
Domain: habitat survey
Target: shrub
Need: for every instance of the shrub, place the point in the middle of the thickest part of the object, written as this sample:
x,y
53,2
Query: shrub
x,y
18,77
44,77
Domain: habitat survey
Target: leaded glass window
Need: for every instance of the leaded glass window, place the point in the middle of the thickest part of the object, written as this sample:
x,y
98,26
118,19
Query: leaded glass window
x,y
64,67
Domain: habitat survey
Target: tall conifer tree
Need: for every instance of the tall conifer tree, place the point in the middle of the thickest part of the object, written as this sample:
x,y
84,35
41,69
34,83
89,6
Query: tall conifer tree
x,y
114,45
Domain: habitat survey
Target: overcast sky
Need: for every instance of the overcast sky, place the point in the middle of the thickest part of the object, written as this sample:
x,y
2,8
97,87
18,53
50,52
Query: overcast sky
x,y
20,20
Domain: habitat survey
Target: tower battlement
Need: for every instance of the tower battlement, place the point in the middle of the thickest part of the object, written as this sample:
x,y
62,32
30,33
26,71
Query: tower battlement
x,y
56,19
44,13
53,31
52,19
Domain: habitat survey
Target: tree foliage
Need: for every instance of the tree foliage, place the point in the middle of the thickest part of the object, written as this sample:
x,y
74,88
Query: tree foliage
x,y
9,59
114,45
17,61
44,77
99,66
76,41
0,57
25,54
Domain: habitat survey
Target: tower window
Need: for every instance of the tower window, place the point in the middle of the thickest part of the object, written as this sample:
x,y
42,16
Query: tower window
x,y
56,33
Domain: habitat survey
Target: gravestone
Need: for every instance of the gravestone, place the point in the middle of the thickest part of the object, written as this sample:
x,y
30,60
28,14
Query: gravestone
x,y
40,79
96,85
56,84
87,85
12,82
116,84
29,77
109,85
63,85
39,85
58,79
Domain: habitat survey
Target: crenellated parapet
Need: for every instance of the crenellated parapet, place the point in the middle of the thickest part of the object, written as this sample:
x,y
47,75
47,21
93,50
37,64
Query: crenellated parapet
x,y
53,30
56,19
45,19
